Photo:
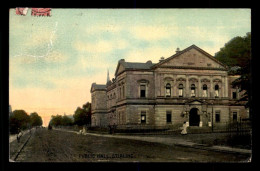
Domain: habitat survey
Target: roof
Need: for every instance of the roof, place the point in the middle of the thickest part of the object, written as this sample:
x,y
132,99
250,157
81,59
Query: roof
x,y
135,65
95,86
149,65
187,49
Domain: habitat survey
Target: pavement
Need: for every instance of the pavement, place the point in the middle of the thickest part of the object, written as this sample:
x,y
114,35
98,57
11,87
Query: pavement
x,y
171,141
13,137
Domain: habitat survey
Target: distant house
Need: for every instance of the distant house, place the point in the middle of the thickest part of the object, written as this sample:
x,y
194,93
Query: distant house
x,y
190,86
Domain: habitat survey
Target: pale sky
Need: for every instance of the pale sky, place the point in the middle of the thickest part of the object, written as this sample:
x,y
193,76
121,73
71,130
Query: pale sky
x,y
54,60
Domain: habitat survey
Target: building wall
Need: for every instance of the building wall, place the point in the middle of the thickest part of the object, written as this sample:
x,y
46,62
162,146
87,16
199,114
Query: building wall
x,y
160,115
99,108
133,81
123,104
99,119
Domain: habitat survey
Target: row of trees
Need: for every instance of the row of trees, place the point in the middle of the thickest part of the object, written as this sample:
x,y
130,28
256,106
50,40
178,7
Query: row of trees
x,y
82,116
237,53
59,120
19,119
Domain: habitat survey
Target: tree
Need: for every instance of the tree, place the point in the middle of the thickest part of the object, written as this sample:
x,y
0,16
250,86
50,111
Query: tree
x,y
80,117
19,120
66,121
59,120
237,52
87,108
35,119
56,120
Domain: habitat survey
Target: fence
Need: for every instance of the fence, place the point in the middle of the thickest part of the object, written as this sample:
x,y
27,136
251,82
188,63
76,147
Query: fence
x,y
239,127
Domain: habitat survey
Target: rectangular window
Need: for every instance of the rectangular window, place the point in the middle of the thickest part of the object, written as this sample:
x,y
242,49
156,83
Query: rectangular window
x,y
216,93
192,93
168,116
234,116
180,92
168,92
234,95
142,90
217,116
204,93
143,117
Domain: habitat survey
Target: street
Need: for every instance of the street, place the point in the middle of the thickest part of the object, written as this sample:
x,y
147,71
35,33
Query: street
x,y
59,146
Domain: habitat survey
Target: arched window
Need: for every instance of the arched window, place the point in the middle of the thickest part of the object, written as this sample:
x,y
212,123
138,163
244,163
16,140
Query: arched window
x,y
216,90
168,90
192,90
181,90
205,91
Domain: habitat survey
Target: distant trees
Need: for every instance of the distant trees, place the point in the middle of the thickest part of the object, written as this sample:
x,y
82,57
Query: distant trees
x,y
35,119
21,120
60,120
82,116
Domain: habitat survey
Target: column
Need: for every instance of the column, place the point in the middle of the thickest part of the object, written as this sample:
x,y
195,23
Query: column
x,y
211,87
226,87
201,123
162,85
199,88
187,86
222,87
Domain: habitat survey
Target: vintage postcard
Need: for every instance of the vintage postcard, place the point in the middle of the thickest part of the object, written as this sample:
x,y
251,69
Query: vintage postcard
x,y
129,85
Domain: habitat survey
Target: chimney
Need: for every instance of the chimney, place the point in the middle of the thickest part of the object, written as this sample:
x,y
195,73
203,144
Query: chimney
x,y
177,50
162,59
108,79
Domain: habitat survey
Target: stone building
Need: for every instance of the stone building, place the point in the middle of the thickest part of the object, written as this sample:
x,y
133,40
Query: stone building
x,y
190,86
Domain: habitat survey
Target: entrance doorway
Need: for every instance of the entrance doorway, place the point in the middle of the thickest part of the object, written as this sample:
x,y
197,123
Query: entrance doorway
x,y
194,118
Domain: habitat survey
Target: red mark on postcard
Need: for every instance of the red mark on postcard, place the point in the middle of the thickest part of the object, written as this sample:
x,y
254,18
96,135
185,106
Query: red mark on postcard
x,y
21,11
41,12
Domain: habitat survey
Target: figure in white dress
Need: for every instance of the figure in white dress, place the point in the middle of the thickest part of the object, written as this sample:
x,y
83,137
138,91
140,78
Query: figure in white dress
x,y
184,129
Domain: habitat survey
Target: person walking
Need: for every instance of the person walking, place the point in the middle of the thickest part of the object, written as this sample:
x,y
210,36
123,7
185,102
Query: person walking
x,y
184,129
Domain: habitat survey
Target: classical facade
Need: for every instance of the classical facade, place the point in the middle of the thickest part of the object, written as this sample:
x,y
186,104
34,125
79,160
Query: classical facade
x,y
190,86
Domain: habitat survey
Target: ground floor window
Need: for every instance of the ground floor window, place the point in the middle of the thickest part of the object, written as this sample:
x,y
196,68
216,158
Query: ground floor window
x,y
143,117
217,116
234,95
234,116
168,116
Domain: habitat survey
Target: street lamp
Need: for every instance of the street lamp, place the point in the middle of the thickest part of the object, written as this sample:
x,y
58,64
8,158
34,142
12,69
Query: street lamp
x,y
212,117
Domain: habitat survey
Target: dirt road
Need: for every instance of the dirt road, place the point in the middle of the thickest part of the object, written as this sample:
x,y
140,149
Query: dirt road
x,y
57,146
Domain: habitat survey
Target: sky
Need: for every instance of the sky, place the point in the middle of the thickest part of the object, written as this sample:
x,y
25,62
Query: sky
x,y
54,60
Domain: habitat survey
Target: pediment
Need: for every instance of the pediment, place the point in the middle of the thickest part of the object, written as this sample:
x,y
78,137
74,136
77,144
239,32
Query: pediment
x,y
192,57
195,102
119,68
